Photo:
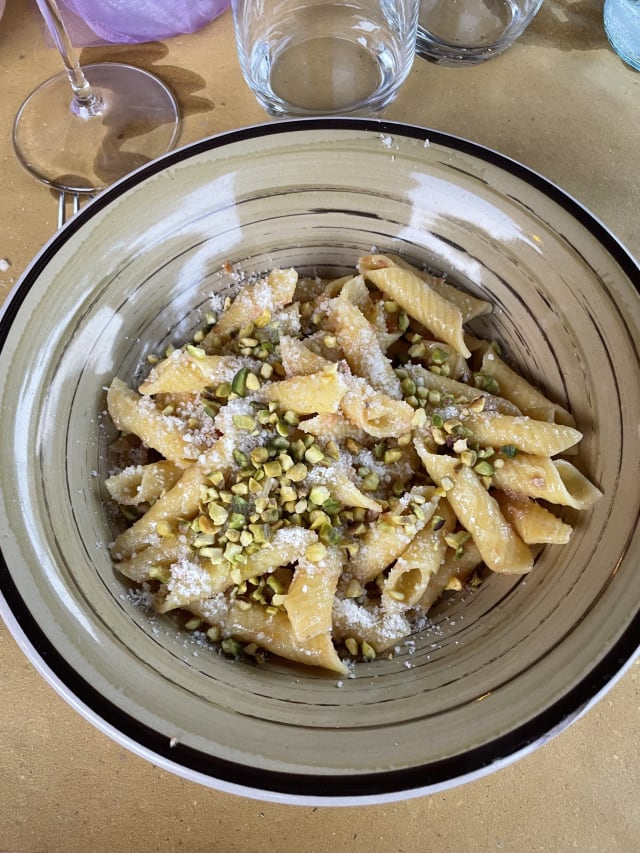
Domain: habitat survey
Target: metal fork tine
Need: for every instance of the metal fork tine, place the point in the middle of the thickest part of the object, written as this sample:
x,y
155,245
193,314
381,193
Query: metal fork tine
x,y
75,199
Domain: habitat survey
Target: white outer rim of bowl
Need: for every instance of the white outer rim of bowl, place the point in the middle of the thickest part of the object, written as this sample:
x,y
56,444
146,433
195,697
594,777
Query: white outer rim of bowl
x,y
553,719
273,796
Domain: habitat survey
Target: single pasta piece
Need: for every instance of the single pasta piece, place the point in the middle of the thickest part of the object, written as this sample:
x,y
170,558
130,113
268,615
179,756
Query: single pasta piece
x,y
182,501
388,537
501,548
319,392
441,317
266,295
554,480
182,371
408,578
454,571
469,305
274,632
298,359
139,484
134,413
537,437
359,342
374,412
525,396
153,562
460,391
309,599
532,522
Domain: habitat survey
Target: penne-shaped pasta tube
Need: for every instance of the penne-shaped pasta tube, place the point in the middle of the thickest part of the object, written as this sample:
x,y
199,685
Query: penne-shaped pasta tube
x,y
359,342
337,426
408,578
183,372
453,568
529,436
309,599
320,392
374,412
368,623
139,484
298,359
389,536
152,563
182,501
525,396
533,523
191,579
274,632
287,545
469,305
554,480
459,391
500,547
341,487
438,315
267,295
134,413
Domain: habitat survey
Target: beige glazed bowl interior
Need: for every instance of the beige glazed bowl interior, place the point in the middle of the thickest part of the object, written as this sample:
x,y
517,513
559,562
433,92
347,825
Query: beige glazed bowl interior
x,y
501,669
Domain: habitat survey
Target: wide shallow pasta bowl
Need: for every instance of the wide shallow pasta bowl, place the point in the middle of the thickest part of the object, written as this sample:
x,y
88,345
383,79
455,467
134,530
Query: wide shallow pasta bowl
x,y
500,669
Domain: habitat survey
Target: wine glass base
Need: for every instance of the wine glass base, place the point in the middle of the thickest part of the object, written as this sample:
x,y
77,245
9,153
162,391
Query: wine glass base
x,y
139,122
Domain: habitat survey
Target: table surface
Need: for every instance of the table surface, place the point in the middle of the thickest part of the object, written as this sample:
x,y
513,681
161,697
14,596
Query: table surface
x,y
561,102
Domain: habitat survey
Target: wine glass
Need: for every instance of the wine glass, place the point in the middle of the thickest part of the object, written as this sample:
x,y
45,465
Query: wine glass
x,y
80,133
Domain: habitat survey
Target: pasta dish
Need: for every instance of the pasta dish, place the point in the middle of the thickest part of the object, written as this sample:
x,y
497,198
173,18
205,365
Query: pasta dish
x,y
324,459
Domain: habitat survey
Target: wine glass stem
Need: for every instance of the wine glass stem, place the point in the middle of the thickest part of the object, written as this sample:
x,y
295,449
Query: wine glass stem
x,y
86,101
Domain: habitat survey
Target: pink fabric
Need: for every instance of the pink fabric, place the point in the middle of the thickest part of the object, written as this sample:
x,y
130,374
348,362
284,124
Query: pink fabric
x,y
135,21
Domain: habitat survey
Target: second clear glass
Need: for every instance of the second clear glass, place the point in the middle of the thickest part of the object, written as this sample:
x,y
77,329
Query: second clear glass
x,y
323,57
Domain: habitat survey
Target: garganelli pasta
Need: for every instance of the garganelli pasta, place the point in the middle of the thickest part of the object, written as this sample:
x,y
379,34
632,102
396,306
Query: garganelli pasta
x,y
325,459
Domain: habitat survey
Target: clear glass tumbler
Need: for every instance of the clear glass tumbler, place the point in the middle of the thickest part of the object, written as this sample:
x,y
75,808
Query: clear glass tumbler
x,y
459,32
622,26
325,57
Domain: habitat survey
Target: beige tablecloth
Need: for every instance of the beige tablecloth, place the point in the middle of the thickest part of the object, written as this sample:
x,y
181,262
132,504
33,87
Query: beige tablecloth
x,y
561,102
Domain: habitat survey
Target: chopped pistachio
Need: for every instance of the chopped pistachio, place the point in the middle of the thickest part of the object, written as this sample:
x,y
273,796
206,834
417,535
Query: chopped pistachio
x,y
319,494
213,633
370,482
351,645
316,552
394,454
195,352
239,382
368,652
244,422
272,468
509,450
232,647
160,573
313,455
484,468
354,589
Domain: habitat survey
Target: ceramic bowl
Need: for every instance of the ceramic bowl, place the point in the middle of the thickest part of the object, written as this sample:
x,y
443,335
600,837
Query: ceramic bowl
x,y
500,670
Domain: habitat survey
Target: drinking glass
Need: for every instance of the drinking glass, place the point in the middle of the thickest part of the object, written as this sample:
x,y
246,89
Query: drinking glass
x,y
325,57
80,133
622,26
466,32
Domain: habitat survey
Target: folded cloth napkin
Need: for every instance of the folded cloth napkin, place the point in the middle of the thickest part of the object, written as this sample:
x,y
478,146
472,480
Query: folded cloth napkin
x,y
135,21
